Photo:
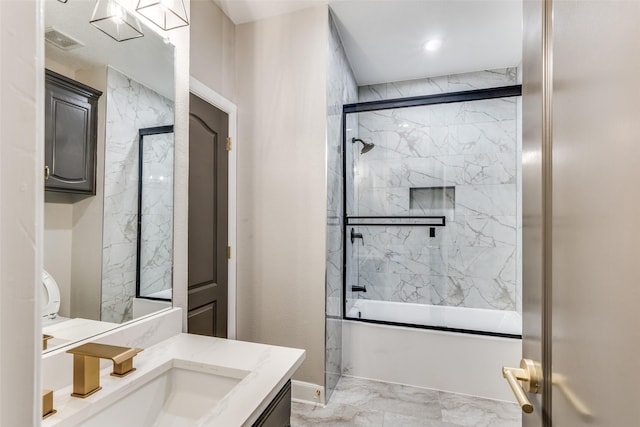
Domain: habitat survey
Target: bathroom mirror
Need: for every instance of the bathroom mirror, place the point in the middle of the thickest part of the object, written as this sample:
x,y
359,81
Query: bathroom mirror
x,y
96,245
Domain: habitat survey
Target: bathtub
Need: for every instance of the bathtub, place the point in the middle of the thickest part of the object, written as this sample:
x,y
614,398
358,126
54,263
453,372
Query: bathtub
x,y
458,318
467,363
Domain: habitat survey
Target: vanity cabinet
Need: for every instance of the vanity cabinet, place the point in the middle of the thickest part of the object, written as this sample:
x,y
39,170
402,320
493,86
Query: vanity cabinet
x,y
71,123
278,413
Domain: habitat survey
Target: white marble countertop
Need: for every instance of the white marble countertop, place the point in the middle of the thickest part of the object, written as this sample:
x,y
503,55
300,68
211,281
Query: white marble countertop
x,y
270,368
67,330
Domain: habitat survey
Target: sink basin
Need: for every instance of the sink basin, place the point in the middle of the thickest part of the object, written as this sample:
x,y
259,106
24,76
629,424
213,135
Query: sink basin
x,y
179,394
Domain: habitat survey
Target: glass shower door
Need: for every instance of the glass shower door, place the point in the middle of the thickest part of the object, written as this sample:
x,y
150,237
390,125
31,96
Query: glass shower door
x,y
431,220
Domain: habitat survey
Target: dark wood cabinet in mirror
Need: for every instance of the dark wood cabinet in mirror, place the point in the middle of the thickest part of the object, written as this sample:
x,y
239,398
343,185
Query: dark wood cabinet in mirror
x,y
70,135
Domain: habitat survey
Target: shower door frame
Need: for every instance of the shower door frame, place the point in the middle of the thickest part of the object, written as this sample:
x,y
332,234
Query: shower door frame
x,y
387,104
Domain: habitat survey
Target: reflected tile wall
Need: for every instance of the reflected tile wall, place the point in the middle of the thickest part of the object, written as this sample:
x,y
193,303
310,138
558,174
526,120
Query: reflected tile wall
x,y
130,107
473,146
341,89
156,254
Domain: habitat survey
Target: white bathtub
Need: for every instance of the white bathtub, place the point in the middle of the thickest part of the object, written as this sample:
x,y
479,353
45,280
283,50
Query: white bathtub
x,y
471,319
442,360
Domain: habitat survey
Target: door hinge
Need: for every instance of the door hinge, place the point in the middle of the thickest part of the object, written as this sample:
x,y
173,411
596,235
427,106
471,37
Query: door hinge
x,y
228,143
228,252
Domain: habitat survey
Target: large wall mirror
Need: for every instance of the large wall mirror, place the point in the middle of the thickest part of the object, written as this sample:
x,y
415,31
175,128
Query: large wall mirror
x,y
108,256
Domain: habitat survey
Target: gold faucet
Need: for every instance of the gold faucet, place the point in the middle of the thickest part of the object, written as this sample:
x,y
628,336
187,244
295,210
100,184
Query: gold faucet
x,y
45,338
86,365
47,404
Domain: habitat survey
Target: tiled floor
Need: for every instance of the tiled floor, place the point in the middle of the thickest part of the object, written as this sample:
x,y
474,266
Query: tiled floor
x,y
358,402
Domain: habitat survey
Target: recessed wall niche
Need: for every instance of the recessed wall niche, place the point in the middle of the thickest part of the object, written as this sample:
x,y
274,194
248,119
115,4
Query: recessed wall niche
x,y
430,198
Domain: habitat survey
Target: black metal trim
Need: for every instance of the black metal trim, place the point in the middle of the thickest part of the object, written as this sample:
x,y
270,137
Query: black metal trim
x,y
441,98
436,328
154,298
442,219
141,134
344,213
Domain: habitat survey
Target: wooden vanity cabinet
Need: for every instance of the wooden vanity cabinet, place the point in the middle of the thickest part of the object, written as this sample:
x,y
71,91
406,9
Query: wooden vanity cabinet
x,y
71,121
278,413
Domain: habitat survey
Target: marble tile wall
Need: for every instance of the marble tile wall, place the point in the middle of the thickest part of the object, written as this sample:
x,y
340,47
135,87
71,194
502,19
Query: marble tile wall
x,y
341,89
130,107
156,248
473,147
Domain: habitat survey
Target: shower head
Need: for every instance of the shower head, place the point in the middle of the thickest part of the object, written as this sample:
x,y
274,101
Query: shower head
x,y
366,146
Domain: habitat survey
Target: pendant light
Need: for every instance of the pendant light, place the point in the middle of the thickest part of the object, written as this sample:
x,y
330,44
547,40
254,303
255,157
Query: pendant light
x,y
166,14
114,20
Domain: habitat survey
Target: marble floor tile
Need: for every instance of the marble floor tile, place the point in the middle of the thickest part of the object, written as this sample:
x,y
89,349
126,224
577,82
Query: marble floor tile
x,y
398,420
479,412
387,397
335,415
360,402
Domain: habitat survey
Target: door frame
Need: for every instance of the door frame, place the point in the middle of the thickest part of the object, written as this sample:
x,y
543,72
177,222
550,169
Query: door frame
x,y
201,90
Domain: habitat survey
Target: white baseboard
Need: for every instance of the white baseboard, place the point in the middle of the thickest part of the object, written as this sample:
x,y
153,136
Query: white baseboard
x,y
304,392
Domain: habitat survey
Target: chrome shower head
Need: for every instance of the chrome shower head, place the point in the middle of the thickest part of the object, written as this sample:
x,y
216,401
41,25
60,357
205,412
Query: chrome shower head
x,y
366,146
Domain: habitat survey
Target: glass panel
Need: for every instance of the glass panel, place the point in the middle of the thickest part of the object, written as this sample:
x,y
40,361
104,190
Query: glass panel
x,y
155,257
405,169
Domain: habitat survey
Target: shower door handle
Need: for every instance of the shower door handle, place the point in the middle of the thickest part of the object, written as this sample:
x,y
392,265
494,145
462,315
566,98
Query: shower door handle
x,y
355,236
530,373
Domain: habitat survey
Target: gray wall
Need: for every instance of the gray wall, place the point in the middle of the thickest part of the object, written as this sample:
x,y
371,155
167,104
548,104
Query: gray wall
x,y
282,194
213,48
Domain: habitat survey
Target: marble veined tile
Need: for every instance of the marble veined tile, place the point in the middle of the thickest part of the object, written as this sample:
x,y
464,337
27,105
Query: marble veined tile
x,y
304,415
382,201
497,200
482,79
442,84
398,420
481,111
387,397
130,107
489,168
490,231
479,412
490,137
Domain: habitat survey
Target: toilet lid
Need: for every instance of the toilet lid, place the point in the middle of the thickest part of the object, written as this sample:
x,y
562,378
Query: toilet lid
x,y
50,296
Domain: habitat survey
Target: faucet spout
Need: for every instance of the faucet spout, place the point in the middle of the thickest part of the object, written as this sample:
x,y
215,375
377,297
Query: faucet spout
x,y
86,365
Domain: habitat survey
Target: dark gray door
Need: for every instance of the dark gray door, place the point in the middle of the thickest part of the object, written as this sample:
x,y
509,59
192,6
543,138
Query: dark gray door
x,y
208,211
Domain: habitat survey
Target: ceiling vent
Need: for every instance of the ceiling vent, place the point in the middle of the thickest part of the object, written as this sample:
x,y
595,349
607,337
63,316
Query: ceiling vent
x,y
61,40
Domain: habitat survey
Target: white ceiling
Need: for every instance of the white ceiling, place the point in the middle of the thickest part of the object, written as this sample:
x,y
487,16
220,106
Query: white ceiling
x,y
147,60
384,39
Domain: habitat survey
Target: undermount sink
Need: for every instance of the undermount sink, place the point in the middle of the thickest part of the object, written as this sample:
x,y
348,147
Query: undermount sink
x,y
178,394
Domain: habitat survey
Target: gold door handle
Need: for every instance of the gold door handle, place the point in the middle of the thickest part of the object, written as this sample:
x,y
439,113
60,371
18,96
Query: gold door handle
x,y
530,373
46,173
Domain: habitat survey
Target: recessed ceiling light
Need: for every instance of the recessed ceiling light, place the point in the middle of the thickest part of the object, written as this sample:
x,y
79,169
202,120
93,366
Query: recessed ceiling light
x,y
432,45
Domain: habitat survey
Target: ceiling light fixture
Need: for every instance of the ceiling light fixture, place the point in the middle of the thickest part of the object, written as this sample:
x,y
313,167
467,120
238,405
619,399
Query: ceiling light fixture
x,y
432,45
114,20
166,14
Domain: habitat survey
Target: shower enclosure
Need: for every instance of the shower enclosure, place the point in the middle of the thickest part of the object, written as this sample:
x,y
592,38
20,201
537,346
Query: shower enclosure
x,y
431,196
